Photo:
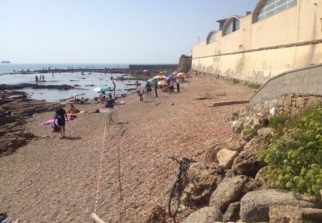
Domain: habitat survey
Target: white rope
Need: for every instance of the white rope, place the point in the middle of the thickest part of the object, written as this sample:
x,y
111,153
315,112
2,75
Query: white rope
x,y
100,168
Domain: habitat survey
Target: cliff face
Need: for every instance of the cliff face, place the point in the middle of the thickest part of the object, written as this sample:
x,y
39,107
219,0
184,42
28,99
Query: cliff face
x,y
184,63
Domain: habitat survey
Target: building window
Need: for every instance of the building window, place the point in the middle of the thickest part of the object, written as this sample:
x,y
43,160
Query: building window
x,y
273,7
211,37
232,26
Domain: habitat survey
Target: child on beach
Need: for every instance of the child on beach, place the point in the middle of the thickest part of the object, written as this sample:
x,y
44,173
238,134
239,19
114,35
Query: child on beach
x,y
60,116
141,96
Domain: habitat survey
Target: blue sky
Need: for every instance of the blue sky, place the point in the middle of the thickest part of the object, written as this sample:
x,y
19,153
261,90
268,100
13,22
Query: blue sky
x,y
108,31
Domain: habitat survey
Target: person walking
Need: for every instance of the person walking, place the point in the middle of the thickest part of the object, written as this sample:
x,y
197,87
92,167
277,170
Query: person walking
x,y
61,116
156,89
178,85
110,105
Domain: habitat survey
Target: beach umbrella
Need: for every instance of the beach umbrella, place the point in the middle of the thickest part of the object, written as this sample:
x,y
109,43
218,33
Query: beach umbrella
x,y
78,94
159,77
162,83
152,80
181,74
105,88
174,72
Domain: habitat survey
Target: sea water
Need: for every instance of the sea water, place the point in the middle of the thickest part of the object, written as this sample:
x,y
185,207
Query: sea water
x,y
84,83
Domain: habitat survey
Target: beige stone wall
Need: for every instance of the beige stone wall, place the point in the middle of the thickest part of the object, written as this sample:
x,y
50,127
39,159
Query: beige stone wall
x,y
258,51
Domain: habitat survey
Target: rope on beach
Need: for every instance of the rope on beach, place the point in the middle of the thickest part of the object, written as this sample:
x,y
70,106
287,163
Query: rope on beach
x,y
100,167
107,133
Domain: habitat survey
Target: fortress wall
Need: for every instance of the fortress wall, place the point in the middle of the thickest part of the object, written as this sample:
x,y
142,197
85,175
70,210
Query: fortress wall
x,y
260,66
259,51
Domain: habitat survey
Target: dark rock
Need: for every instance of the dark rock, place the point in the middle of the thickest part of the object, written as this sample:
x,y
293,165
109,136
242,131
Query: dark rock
x,y
34,86
204,215
157,215
232,213
184,63
246,162
12,129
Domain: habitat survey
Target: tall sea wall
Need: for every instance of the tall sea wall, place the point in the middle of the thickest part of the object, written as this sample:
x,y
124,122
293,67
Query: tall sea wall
x,y
260,50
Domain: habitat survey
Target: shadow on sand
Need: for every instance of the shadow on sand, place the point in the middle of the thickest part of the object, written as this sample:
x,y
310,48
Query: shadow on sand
x,y
72,138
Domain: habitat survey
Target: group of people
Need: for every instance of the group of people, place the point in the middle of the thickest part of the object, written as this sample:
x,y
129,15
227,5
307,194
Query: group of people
x,y
174,81
171,83
41,78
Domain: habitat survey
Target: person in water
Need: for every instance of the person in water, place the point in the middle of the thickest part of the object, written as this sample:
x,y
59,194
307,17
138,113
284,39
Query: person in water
x,y
61,116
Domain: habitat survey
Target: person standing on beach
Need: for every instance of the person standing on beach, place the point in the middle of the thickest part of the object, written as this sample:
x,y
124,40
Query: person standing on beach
x,y
36,79
140,95
178,84
156,89
114,87
61,116
110,105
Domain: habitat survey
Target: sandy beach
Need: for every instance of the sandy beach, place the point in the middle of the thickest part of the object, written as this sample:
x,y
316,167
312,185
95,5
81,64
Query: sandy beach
x,y
55,180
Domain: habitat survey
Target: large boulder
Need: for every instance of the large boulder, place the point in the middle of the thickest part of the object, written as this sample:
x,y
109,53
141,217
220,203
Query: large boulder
x,y
294,214
210,156
226,157
261,177
232,213
204,215
254,206
235,143
228,191
246,163
203,180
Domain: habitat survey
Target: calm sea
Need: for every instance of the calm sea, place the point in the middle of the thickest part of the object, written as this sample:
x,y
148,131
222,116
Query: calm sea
x,y
85,83
8,68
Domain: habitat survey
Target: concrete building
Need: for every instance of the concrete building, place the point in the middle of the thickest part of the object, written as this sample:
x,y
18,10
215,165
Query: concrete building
x,y
276,37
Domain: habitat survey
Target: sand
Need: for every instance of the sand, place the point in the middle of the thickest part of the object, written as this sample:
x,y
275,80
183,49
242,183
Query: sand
x,y
55,180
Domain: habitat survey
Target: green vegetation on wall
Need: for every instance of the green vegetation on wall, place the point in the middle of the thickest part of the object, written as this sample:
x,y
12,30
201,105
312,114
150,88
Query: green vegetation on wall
x,y
294,154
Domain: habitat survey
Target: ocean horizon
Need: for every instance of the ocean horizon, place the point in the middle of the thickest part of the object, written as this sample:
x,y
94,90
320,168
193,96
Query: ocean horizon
x,y
6,68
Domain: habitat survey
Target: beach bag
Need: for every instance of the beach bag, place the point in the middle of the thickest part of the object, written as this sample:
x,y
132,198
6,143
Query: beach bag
x,y
54,127
4,218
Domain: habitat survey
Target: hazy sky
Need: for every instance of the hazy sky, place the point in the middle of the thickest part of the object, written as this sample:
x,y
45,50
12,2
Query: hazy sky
x,y
108,31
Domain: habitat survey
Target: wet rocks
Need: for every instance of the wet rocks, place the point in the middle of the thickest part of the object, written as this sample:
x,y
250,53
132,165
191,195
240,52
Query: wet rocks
x,y
34,86
12,128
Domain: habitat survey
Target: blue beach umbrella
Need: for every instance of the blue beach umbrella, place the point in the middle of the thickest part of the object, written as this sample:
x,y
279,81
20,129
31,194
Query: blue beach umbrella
x,y
105,88
152,81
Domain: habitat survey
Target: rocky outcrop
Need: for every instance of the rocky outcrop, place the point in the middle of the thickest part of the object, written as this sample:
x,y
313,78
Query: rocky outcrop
x,y
254,206
204,215
232,184
12,128
184,63
203,180
228,191
34,86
